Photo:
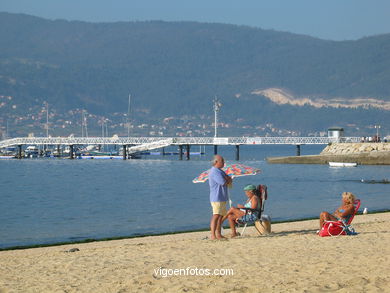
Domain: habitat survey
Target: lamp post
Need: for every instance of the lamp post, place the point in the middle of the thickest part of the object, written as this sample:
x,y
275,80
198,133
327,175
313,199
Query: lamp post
x,y
217,107
47,119
377,132
128,117
84,123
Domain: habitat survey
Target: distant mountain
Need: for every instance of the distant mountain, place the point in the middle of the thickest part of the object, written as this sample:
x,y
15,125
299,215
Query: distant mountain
x,y
176,68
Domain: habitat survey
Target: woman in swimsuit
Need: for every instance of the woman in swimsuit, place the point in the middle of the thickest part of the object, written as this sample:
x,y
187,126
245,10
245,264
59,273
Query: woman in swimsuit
x,y
235,213
343,213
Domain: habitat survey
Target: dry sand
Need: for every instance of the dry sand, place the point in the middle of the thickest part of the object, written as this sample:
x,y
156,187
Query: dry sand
x,y
291,259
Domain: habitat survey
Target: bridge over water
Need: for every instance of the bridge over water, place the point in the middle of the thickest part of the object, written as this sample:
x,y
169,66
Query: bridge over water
x,y
139,144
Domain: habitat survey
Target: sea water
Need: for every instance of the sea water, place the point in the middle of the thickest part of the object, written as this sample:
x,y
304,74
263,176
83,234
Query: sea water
x,y
54,200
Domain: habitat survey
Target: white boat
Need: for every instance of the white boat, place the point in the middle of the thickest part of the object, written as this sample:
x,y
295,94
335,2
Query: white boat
x,y
342,164
31,151
6,157
103,157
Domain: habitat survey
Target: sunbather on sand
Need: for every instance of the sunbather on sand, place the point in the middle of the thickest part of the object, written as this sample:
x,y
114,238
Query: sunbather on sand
x,y
343,213
235,213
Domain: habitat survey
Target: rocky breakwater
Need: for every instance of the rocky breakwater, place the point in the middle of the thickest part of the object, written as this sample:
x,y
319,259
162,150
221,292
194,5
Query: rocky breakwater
x,y
355,148
361,153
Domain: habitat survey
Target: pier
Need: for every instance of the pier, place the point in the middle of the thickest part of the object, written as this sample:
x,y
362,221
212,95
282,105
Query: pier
x,y
133,145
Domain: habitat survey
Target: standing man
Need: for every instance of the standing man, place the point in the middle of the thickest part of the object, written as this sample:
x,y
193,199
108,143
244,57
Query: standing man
x,y
218,181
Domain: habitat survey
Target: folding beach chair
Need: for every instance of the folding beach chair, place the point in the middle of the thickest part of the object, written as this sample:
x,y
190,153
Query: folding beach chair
x,y
255,216
337,228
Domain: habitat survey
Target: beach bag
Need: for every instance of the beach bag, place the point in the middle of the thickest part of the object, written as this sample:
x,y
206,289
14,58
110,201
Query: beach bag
x,y
263,226
332,229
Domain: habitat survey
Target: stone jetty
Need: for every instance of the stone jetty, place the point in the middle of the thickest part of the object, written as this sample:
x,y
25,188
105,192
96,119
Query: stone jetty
x,y
361,153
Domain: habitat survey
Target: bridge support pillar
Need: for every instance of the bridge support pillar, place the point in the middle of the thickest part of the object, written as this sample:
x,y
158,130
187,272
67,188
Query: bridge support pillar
x,y
58,150
124,152
298,150
180,152
215,149
237,152
19,155
163,151
71,153
187,152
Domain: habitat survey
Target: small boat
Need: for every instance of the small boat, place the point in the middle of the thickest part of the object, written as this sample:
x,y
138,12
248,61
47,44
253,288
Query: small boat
x,y
383,181
31,151
342,164
100,157
7,157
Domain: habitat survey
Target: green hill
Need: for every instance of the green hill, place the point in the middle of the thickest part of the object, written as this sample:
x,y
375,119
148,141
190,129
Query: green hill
x,y
176,68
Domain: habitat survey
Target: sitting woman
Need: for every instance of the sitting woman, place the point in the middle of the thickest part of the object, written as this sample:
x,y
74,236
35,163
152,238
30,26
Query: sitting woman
x,y
343,213
235,213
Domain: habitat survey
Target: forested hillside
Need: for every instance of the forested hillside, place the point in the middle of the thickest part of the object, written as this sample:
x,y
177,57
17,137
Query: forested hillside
x,y
176,68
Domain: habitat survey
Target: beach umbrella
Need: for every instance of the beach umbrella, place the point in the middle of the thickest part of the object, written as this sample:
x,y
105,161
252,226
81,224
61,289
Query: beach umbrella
x,y
232,170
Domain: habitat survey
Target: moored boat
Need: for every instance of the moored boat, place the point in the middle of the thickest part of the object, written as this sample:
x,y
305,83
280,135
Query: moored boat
x,y
7,157
342,164
31,151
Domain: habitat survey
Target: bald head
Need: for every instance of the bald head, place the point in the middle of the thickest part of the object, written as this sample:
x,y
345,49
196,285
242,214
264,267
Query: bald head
x,y
218,161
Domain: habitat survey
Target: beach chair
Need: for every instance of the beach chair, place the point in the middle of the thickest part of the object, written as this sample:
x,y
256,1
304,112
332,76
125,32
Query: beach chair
x,y
337,228
255,216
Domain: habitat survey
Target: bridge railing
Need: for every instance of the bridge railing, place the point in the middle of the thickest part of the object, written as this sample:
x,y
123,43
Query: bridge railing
x,y
290,140
261,140
174,140
79,141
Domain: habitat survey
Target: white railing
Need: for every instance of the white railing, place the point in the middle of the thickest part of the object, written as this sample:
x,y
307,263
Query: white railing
x,y
171,140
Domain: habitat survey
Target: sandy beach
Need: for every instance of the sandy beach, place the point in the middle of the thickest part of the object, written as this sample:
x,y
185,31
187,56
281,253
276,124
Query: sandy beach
x,y
291,259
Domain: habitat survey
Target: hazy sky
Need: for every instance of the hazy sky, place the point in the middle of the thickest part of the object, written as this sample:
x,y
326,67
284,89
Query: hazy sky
x,y
326,19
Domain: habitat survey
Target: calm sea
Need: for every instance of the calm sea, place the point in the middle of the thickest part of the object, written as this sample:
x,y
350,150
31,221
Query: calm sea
x,y
53,200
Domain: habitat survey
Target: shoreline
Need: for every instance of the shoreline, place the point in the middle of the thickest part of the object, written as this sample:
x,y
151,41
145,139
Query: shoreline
x,y
290,259
372,158
93,240
360,153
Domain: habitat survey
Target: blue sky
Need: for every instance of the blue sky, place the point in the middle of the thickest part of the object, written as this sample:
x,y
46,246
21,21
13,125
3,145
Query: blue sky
x,y
326,19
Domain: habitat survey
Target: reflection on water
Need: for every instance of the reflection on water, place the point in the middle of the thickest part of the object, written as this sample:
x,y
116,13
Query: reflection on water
x,y
45,201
